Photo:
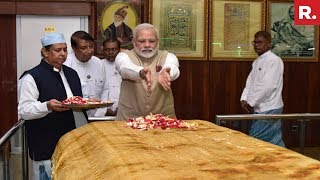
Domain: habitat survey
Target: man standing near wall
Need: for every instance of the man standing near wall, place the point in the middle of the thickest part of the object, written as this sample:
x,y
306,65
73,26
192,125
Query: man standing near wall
x,y
90,70
147,73
263,91
111,48
41,91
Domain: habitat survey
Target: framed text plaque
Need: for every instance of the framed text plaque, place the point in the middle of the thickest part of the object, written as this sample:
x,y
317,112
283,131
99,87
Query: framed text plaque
x,y
182,26
232,27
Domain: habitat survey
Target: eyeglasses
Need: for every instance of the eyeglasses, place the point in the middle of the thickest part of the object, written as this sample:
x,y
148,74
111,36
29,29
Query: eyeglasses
x,y
257,42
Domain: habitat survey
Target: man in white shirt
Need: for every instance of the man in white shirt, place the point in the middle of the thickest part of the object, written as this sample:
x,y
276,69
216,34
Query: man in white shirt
x,y
89,68
111,48
263,91
41,91
146,75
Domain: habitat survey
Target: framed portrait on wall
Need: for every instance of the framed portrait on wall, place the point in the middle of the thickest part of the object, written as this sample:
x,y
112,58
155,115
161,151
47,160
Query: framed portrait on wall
x,y
182,26
232,27
291,42
116,19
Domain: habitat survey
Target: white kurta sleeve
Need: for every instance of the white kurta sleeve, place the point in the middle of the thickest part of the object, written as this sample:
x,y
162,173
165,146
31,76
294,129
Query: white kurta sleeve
x,y
104,93
126,68
29,107
173,63
246,89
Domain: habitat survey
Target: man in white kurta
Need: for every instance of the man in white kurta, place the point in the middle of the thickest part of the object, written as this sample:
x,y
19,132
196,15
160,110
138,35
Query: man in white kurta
x,y
111,48
263,91
89,68
40,92
146,74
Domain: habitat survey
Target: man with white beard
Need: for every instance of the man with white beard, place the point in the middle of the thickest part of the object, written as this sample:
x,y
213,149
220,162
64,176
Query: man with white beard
x,y
146,74
119,30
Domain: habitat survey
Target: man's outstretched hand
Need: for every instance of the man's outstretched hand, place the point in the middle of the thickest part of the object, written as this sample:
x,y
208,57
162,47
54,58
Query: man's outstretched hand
x,y
164,78
145,74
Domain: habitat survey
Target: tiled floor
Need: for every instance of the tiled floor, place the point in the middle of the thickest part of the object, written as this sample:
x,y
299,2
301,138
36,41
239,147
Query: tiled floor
x,y
313,152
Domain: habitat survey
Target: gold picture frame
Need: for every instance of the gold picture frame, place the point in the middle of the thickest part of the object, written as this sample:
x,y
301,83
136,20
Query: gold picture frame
x,y
133,12
182,26
291,42
232,25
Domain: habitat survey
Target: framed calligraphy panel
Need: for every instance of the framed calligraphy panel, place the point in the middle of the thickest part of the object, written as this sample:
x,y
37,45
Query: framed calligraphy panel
x,y
182,26
232,27
291,42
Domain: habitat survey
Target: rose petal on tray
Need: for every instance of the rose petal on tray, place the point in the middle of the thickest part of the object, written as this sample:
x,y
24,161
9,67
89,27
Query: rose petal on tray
x,y
88,105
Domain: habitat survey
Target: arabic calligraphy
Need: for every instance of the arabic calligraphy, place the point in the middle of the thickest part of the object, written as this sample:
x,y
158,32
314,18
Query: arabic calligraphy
x,y
236,23
179,31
